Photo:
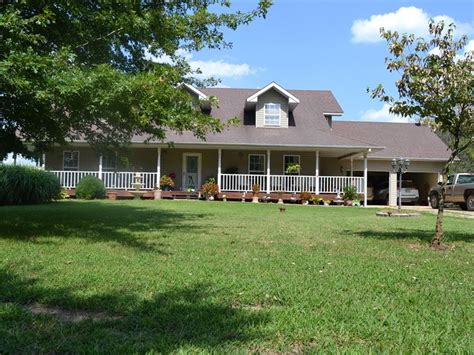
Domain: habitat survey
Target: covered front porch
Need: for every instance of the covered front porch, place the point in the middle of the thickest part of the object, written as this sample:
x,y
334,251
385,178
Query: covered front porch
x,y
236,169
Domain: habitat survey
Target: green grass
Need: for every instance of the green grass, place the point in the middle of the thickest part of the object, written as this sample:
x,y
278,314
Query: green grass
x,y
214,277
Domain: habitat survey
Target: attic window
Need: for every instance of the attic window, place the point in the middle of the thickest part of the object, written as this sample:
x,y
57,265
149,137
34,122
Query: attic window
x,y
272,114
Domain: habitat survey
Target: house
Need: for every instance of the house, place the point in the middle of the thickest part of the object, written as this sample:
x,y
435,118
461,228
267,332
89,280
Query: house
x,y
278,128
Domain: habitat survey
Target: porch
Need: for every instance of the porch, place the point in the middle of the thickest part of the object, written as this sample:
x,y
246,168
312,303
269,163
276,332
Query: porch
x,y
235,169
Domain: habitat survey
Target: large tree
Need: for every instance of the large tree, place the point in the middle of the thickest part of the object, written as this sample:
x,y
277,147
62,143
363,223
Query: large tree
x,y
436,86
81,69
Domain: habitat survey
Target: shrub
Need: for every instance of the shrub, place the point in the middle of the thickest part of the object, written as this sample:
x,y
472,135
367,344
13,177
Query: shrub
x,y
305,196
23,185
350,193
210,188
166,182
89,188
255,189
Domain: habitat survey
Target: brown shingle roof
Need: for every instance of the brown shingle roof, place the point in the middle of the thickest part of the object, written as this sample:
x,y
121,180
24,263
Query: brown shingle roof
x,y
408,140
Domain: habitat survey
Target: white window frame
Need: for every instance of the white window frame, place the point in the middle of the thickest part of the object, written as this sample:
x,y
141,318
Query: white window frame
x,y
113,168
264,164
265,115
291,155
76,168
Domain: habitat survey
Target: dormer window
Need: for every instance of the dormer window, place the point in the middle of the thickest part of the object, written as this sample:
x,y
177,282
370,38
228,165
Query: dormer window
x,y
272,114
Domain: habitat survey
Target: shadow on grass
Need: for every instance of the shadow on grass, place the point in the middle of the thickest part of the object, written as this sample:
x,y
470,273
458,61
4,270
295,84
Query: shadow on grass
x,y
94,222
188,318
421,235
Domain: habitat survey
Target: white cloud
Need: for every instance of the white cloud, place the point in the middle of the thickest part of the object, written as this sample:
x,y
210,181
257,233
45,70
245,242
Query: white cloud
x,y
404,20
382,115
216,68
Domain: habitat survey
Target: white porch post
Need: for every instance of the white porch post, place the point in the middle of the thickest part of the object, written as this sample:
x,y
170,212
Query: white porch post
x,y
219,168
316,172
100,166
43,161
268,171
365,180
158,165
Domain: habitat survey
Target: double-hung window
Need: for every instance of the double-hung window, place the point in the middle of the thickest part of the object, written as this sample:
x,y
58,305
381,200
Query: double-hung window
x,y
291,160
256,163
109,161
272,114
71,160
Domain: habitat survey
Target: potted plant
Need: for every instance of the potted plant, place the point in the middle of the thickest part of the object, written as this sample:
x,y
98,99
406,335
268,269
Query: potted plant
x,y
112,195
255,191
210,189
350,193
293,169
280,197
305,197
356,203
157,192
166,183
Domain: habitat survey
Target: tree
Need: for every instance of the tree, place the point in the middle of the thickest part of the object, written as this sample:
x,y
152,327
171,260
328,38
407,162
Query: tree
x,y
82,69
436,87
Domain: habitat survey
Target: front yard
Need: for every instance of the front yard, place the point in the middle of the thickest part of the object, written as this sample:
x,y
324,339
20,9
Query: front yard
x,y
209,276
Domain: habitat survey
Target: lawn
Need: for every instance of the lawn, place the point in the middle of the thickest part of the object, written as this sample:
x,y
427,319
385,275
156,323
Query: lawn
x,y
194,276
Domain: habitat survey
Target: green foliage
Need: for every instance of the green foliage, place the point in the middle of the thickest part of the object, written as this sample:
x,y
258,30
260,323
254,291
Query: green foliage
x,y
293,168
350,193
86,68
90,188
21,185
166,182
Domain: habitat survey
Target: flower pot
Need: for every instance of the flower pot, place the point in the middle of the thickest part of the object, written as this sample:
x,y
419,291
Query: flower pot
x,y
255,199
348,202
157,194
112,195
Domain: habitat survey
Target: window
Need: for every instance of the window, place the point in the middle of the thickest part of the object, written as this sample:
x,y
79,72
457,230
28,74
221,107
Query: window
x,y
272,114
289,160
466,179
109,161
71,160
256,163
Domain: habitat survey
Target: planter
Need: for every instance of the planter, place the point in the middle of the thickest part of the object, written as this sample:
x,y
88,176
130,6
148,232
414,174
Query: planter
x,y
112,195
348,202
255,199
224,198
157,194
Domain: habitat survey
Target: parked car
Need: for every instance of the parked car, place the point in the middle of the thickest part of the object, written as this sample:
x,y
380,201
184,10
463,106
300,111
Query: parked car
x,y
459,191
410,193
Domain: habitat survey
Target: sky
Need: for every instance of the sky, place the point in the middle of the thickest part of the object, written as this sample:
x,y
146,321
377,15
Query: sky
x,y
327,45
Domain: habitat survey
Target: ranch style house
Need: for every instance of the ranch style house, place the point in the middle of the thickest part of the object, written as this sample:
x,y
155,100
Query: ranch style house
x,y
278,128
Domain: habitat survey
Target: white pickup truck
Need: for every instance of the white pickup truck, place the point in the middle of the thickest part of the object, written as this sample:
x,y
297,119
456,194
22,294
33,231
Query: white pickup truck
x,y
459,191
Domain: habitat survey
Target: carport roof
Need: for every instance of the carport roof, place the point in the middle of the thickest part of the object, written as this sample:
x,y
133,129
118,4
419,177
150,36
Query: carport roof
x,y
409,140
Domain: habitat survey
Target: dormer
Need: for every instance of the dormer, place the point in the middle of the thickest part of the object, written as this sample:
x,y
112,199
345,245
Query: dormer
x,y
201,99
272,106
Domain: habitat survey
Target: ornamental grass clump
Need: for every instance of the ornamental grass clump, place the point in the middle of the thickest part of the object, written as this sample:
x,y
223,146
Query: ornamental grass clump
x,y
23,185
90,188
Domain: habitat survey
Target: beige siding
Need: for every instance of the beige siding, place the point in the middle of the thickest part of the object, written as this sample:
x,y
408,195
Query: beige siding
x,y
88,159
273,97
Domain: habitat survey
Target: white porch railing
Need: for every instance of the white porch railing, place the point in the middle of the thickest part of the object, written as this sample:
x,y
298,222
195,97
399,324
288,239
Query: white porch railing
x,y
229,182
112,180
291,183
242,182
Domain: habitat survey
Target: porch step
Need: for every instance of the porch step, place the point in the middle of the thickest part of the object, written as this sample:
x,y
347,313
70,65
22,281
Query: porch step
x,y
184,195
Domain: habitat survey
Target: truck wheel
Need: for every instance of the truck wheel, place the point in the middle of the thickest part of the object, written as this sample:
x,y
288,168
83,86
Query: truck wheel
x,y
470,202
434,201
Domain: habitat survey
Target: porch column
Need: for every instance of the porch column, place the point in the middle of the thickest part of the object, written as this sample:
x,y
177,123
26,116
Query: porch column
x,y
365,180
316,172
219,168
268,171
100,166
43,161
158,165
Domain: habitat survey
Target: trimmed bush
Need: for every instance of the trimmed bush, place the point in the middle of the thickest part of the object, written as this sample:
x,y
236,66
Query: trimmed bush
x,y
89,188
25,185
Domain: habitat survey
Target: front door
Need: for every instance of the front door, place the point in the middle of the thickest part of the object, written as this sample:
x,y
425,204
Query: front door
x,y
191,171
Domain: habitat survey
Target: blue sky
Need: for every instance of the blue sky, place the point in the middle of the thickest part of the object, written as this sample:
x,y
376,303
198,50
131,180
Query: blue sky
x,y
304,44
